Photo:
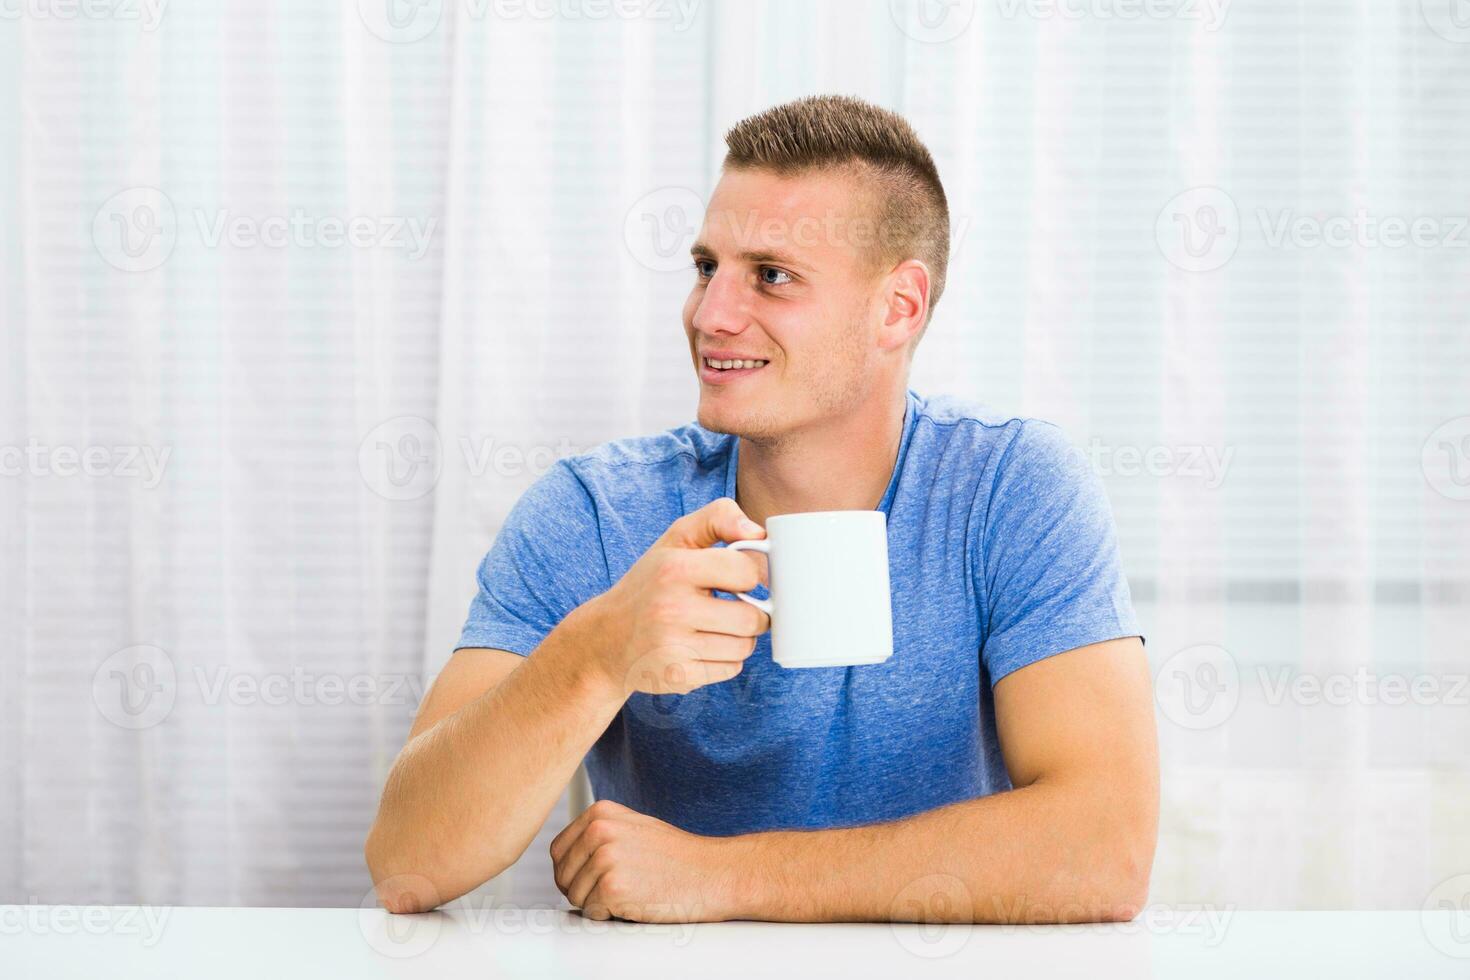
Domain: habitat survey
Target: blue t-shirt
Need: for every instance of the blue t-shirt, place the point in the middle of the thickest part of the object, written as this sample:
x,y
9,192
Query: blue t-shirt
x,y
1001,552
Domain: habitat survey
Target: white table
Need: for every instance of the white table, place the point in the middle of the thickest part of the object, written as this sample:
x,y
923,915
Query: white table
x,y
276,944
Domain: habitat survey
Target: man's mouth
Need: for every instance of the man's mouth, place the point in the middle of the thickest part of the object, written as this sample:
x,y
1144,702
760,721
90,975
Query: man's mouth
x,y
732,365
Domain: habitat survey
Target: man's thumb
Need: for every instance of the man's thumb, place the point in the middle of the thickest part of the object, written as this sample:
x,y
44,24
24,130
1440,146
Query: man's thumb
x,y
719,520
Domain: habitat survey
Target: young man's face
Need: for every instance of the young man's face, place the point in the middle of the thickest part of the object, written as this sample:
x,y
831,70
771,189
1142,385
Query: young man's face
x,y
783,274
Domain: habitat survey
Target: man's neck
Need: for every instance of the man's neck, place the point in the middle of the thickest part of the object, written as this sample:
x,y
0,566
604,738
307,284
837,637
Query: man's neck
x,y
843,465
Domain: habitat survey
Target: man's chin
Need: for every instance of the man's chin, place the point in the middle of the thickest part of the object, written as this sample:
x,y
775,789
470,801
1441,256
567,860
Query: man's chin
x,y
751,425
718,420
726,419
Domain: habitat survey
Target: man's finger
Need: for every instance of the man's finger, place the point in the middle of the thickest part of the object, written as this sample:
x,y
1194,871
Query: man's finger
x,y
570,864
719,671
719,649
733,618
584,879
594,903
719,520
600,808
721,568
568,836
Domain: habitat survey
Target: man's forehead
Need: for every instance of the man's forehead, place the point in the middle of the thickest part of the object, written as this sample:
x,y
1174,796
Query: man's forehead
x,y
762,212
801,193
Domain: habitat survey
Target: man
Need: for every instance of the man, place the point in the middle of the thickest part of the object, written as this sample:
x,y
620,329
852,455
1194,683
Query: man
x,y
1000,766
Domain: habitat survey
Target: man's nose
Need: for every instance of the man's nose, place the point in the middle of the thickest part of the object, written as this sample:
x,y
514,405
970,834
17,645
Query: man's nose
x,y
724,307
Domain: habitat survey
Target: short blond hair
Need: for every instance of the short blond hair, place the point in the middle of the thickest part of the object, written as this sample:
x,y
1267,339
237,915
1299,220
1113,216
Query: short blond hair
x,y
838,132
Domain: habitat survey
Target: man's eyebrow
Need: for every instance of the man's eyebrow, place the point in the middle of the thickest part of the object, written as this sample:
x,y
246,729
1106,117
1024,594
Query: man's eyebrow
x,y
700,250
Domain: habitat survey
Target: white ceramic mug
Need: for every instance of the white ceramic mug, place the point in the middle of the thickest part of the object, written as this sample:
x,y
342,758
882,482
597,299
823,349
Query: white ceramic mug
x,y
830,602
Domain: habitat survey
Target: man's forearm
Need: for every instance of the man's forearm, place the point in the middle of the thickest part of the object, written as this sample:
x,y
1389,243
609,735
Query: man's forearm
x,y
467,796
1048,852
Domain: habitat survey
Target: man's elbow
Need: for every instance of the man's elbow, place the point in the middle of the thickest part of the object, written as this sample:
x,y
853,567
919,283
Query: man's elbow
x,y
395,896
1107,878
1124,902
1127,842
405,892
1107,894
398,892
1124,890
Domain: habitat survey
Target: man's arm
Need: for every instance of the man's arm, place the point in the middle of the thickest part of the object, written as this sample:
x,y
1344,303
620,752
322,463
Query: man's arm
x,y
499,736
487,758
1073,841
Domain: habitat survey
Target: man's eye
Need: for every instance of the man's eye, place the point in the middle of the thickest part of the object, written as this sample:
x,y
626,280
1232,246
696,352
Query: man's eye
x,y
704,268
771,276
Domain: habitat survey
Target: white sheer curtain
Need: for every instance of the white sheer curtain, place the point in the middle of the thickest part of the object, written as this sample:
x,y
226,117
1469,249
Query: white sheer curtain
x,y
350,278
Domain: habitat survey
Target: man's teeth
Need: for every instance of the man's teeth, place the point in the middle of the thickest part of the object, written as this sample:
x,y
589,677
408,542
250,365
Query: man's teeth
x,y
726,365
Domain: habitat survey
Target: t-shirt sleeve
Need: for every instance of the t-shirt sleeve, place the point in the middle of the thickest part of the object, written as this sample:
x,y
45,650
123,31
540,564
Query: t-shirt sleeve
x,y
1048,568
546,561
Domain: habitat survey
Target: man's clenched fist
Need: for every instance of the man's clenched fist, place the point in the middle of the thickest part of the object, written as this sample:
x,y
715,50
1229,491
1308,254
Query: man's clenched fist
x,y
614,861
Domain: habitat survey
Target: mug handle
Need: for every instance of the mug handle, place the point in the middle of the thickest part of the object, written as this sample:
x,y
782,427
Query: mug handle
x,y
763,545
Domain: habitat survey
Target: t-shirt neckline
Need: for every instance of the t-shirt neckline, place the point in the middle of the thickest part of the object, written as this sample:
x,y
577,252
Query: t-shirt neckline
x,y
910,416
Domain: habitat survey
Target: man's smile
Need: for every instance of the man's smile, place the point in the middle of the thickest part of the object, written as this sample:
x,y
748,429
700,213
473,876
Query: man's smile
x,y
719,367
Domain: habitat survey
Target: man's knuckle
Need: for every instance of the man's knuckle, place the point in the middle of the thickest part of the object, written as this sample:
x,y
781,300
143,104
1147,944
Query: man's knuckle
x,y
672,570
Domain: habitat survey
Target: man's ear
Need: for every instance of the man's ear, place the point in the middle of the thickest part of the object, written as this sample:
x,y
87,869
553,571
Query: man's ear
x,y
906,304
